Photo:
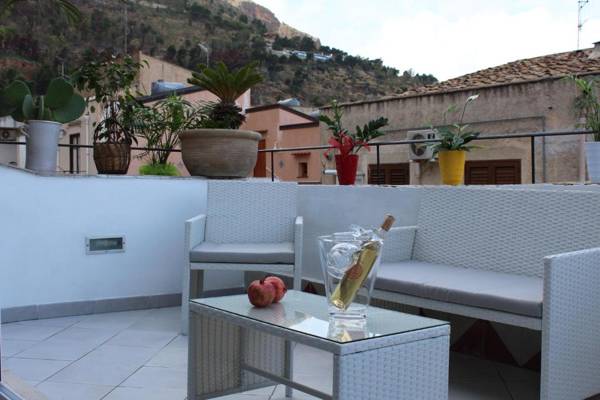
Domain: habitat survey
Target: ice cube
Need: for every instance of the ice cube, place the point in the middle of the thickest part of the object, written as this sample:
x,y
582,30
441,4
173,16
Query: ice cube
x,y
339,258
360,233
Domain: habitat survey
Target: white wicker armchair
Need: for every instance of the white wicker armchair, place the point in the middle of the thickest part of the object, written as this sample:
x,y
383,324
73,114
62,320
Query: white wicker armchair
x,y
249,226
529,258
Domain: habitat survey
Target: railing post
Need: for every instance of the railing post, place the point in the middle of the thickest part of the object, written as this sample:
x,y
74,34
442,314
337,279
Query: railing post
x,y
378,165
532,138
272,166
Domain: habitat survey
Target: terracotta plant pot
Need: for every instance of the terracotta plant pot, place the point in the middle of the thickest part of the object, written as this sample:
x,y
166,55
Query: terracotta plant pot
x,y
346,166
219,153
452,166
112,158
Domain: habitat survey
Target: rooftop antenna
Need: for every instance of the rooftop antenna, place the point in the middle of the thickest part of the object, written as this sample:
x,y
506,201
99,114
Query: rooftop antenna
x,y
125,27
580,22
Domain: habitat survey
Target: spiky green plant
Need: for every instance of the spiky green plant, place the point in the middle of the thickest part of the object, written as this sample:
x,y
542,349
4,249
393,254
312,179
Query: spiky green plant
x,y
587,104
345,141
59,104
67,7
159,169
228,86
161,124
455,136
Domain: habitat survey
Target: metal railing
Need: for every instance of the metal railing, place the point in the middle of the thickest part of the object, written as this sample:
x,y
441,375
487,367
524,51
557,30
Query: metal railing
x,y
377,145
531,135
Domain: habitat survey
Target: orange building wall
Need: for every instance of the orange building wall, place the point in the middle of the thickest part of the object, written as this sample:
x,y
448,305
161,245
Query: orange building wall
x,y
268,122
289,169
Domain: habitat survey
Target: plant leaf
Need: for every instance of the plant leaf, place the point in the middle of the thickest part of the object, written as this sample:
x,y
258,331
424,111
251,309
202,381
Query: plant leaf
x,y
71,111
59,93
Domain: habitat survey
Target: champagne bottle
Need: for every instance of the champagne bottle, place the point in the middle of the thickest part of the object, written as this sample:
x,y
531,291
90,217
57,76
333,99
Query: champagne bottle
x,y
362,264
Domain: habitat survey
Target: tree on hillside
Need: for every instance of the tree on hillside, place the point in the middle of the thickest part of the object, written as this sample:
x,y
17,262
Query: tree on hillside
x,y
307,44
65,6
171,53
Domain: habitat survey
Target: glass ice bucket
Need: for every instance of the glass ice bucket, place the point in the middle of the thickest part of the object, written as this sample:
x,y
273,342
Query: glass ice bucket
x,y
349,267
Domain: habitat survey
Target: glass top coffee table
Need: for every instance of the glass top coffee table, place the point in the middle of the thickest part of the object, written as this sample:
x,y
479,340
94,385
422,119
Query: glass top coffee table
x,y
236,347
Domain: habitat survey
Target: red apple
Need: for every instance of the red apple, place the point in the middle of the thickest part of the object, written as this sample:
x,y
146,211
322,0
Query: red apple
x,y
279,285
261,293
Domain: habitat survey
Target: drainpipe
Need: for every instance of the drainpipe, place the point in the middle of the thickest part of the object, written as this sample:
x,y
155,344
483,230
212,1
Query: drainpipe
x,y
544,180
544,177
581,153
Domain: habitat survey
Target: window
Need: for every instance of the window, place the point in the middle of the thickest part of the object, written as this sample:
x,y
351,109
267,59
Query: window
x,y
389,174
493,172
302,169
74,154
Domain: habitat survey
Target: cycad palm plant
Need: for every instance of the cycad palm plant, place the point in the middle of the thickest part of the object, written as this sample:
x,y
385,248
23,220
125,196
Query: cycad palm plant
x,y
67,7
228,86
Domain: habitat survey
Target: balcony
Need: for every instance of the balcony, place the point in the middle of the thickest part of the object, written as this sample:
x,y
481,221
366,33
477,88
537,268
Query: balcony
x,y
106,326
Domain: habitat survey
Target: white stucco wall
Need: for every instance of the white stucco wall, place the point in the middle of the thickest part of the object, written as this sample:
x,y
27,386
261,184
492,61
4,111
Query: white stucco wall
x,y
44,222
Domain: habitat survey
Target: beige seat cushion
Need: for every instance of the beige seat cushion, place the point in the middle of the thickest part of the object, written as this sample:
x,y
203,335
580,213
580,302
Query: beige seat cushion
x,y
249,253
517,294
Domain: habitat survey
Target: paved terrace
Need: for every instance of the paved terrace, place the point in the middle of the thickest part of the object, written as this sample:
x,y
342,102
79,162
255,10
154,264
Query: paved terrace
x,y
139,355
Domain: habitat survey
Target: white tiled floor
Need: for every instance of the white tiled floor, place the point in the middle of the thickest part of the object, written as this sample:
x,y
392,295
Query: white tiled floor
x,y
138,355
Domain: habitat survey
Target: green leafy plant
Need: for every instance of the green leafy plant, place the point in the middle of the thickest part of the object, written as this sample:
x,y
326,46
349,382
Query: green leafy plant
x,y
67,7
228,86
161,124
59,104
109,83
159,169
345,142
455,136
587,104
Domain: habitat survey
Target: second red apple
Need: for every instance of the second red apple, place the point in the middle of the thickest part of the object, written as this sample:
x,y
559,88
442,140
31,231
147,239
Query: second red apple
x,y
279,285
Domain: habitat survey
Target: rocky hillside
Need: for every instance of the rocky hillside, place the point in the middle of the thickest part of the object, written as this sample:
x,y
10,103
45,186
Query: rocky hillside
x,y
266,16
36,41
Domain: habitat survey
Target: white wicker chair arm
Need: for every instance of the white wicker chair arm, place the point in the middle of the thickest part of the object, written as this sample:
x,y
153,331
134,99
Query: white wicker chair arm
x,y
194,231
571,325
398,244
298,248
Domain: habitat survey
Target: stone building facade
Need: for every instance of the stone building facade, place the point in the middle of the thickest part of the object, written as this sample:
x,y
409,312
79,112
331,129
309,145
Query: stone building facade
x,y
530,95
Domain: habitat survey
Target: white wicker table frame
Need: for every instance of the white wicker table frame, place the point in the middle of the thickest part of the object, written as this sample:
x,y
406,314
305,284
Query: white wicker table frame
x,y
229,353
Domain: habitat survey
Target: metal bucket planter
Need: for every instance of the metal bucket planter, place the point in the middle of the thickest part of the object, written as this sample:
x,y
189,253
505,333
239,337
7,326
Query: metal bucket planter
x,y
112,158
219,153
42,145
592,154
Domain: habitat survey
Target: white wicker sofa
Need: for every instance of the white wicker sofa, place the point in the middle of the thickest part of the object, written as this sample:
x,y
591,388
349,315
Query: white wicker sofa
x,y
523,257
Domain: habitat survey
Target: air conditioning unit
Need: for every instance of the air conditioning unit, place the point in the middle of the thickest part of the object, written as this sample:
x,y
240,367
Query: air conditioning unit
x,y
421,151
8,134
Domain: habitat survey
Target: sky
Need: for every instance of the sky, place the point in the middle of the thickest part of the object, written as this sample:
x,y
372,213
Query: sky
x,y
446,38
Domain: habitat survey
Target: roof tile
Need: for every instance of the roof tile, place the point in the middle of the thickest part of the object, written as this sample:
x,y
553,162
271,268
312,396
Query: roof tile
x,y
526,70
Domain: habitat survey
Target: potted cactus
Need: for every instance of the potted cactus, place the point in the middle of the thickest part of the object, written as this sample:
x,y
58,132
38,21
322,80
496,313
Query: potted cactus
x,y
44,116
220,149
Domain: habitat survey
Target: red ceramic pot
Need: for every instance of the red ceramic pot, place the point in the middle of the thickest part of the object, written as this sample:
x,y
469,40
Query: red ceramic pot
x,y
346,166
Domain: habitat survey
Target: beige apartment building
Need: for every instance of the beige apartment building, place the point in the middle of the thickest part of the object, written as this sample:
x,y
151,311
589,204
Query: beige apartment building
x,y
281,127
74,160
529,95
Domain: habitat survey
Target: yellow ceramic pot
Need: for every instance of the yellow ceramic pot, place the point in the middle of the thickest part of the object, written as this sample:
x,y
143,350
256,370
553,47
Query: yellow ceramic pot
x,y
452,166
